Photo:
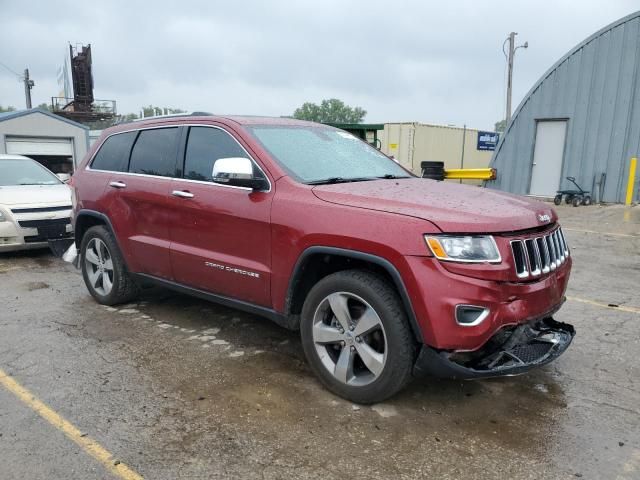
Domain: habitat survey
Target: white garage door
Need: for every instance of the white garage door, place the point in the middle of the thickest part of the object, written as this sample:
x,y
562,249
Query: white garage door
x,y
39,146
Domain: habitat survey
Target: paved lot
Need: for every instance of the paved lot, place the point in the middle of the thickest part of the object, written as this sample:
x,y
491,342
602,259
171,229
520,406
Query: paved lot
x,y
174,387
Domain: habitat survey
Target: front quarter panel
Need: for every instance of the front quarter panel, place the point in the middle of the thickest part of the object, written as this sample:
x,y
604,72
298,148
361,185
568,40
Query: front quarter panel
x,y
300,220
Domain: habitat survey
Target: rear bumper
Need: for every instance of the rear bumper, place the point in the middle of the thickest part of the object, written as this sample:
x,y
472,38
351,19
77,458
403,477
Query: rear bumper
x,y
511,351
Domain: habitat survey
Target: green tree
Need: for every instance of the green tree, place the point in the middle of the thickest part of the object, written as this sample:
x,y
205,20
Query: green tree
x,y
7,109
45,106
330,111
500,125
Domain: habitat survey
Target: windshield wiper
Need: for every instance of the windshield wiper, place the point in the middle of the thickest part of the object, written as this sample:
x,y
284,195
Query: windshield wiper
x,y
390,176
332,180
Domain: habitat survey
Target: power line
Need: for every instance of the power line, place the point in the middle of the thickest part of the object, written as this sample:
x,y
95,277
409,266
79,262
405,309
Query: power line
x,y
12,71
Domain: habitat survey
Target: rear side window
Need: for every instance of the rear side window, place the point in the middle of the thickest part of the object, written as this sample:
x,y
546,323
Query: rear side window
x,y
154,153
204,146
114,153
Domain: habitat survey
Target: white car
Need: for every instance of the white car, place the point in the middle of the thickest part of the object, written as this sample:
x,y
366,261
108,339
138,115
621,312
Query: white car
x,y
35,205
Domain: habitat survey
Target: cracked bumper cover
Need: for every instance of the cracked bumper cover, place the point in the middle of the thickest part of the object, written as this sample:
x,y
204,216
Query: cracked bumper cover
x,y
511,351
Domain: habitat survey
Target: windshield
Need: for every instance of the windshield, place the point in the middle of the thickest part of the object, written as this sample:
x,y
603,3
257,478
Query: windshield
x,y
25,172
324,155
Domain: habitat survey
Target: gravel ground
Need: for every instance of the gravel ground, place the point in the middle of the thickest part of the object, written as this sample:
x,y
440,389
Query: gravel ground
x,y
175,387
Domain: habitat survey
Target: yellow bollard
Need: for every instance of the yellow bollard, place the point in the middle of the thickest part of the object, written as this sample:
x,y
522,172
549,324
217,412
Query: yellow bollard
x,y
632,180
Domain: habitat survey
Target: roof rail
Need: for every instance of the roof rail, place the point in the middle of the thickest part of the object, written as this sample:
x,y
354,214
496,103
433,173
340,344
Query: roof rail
x,y
172,115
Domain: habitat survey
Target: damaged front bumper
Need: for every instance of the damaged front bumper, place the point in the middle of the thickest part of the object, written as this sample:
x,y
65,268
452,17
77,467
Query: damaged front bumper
x,y
511,351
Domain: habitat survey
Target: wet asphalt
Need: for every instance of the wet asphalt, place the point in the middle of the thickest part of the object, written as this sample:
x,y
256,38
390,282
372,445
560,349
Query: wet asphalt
x,y
179,388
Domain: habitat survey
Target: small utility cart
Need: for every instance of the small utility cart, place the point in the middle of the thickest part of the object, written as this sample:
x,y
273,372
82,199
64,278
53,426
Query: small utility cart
x,y
574,197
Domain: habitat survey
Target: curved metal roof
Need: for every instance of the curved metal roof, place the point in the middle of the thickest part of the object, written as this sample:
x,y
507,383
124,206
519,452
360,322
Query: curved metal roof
x,y
555,66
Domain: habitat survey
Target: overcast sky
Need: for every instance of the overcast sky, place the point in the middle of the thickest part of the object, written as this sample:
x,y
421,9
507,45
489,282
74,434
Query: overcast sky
x,y
433,62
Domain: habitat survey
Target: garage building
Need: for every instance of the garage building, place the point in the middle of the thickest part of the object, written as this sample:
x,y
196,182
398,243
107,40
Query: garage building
x,y
57,143
581,119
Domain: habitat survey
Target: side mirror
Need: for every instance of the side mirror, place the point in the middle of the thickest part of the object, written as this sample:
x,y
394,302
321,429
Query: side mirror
x,y
237,172
64,177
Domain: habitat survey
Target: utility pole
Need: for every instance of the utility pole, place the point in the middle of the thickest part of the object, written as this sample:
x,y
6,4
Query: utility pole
x,y
512,52
28,85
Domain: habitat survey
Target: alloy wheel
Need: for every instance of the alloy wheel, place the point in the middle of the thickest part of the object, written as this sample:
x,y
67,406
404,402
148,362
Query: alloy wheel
x,y
349,339
99,266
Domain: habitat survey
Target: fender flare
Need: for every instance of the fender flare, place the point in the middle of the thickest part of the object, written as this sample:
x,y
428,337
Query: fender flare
x,y
104,219
357,255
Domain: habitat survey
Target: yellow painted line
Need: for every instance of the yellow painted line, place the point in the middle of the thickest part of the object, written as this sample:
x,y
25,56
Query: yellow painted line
x,y
620,308
90,446
601,233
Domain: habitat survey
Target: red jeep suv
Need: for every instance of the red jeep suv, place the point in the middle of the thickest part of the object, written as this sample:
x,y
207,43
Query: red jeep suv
x,y
386,275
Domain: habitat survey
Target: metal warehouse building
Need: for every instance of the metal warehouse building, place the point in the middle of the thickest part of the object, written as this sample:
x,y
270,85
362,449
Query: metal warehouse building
x,y
581,119
59,144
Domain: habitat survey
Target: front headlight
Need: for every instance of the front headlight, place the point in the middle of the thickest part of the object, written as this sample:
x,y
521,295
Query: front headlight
x,y
468,248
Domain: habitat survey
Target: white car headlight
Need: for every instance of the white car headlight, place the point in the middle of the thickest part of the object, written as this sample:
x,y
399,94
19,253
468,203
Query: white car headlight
x,y
467,248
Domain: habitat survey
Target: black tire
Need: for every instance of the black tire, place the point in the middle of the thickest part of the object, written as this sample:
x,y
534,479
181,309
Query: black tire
x,y
557,200
124,288
439,165
576,201
568,199
433,173
432,170
586,201
433,176
400,346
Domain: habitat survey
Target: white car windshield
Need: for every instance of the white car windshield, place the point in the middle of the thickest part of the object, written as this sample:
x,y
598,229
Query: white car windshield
x,y
316,155
20,171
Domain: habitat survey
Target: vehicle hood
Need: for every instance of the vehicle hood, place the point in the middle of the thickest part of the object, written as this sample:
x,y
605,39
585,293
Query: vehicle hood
x,y
452,207
35,194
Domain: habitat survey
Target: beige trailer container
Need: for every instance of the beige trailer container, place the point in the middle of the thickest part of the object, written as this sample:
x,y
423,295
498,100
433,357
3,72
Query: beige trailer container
x,y
412,143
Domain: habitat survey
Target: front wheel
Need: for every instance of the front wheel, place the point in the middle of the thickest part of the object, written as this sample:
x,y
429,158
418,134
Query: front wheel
x,y
557,200
576,201
356,336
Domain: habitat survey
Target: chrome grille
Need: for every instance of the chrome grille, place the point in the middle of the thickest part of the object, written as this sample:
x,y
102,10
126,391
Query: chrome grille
x,y
539,255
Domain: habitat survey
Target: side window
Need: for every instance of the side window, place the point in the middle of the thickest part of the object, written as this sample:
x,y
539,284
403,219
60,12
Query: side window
x,y
154,153
114,153
205,145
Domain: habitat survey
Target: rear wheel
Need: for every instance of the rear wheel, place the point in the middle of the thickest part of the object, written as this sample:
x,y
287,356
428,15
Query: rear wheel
x,y
586,200
557,199
103,268
356,336
568,199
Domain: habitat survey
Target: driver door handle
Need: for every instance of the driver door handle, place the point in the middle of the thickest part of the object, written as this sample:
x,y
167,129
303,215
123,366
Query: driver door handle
x,y
182,194
117,184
